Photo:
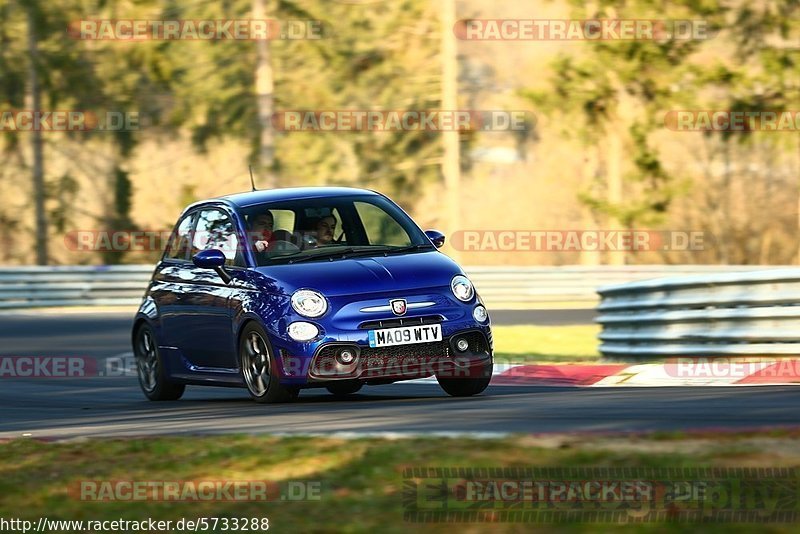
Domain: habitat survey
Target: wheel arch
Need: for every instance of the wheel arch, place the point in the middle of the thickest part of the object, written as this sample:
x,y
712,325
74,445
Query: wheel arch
x,y
246,320
138,321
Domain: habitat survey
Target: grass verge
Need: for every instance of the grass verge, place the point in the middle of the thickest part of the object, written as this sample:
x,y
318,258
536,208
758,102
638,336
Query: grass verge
x,y
546,344
362,480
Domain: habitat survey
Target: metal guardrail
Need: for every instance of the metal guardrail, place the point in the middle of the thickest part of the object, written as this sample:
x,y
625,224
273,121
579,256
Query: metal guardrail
x,y
755,313
527,287
35,287
500,287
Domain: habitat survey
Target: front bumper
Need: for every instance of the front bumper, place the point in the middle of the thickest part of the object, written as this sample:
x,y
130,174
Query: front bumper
x,y
352,317
390,364
402,362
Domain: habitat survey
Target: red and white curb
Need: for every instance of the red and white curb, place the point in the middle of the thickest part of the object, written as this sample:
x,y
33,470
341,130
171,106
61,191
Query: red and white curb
x,y
679,372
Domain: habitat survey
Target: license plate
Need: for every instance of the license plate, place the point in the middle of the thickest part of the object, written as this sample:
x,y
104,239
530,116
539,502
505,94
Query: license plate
x,y
405,335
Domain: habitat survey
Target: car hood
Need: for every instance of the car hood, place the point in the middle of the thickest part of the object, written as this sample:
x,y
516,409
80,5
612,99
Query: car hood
x,y
365,274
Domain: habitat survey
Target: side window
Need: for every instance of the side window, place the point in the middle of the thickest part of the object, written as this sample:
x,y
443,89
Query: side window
x,y
179,245
381,228
215,229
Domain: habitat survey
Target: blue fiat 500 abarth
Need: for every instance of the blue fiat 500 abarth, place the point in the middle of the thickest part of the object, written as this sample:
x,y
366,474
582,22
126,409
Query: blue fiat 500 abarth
x,y
287,289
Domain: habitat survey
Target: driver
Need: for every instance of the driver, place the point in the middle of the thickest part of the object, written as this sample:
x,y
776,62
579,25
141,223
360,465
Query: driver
x,y
261,227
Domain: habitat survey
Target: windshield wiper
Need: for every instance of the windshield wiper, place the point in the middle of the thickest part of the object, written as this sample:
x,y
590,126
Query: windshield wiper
x,y
351,252
327,254
385,250
410,248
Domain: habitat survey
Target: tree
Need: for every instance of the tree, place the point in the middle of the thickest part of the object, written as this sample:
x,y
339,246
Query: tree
x,y
382,56
34,99
613,97
53,75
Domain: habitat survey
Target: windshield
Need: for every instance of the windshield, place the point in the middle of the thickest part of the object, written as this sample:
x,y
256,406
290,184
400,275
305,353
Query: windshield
x,y
325,228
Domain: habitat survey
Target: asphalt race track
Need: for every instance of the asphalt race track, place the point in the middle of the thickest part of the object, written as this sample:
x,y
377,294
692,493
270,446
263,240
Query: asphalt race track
x,y
114,406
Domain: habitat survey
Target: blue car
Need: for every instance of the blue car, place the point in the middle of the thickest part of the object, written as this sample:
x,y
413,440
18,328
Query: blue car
x,y
287,289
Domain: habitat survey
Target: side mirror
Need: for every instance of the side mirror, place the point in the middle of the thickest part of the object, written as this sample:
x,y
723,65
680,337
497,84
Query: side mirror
x,y
212,259
209,259
436,237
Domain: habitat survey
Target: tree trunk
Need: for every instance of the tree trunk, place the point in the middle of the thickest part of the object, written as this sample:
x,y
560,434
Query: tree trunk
x,y
451,167
264,101
614,170
590,169
33,101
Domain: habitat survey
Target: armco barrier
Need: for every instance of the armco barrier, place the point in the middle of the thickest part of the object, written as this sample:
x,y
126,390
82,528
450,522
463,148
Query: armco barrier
x,y
500,287
726,314
34,287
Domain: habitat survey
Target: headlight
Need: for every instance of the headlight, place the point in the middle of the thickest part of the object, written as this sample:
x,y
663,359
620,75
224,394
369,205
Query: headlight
x,y
462,288
309,303
301,331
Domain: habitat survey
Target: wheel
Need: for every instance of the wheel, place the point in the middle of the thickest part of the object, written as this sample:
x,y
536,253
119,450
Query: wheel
x,y
467,386
344,388
150,368
259,367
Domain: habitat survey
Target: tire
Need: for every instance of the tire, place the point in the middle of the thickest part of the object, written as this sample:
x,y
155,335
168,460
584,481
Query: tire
x,y
468,386
344,388
150,368
259,367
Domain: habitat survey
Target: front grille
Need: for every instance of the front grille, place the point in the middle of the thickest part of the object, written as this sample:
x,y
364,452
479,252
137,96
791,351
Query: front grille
x,y
418,359
402,360
421,352
401,321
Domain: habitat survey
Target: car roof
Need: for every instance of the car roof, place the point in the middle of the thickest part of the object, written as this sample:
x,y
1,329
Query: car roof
x,y
251,198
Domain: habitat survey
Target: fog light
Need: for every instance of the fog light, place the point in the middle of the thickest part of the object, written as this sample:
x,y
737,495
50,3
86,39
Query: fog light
x,y
302,331
480,314
462,345
346,356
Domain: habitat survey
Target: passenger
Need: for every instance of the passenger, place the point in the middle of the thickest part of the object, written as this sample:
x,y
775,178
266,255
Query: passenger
x,y
324,229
